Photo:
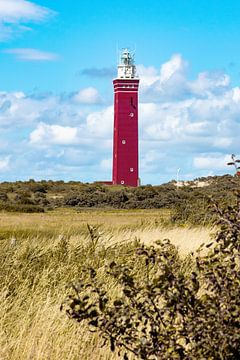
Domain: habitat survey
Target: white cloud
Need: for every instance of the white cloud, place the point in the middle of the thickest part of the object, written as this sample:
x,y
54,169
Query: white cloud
x,y
176,65
164,84
89,95
19,95
16,10
15,14
171,84
212,121
148,75
19,110
223,142
4,163
236,95
106,164
208,83
32,54
151,159
100,123
79,156
211,162
54,134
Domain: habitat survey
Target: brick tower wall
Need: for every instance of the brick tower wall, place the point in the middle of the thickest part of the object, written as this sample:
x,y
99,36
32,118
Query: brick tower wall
x,y
125,144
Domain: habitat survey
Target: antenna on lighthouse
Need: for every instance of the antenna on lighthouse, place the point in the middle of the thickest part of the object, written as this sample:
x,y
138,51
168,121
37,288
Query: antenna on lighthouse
x,y
135,49
117,53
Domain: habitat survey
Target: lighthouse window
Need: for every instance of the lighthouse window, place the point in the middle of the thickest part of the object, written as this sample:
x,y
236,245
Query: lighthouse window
x,y
122,182
131,114
123,142
131,169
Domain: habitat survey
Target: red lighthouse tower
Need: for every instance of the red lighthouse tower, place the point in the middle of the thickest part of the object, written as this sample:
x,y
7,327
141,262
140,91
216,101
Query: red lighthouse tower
x,y
125,141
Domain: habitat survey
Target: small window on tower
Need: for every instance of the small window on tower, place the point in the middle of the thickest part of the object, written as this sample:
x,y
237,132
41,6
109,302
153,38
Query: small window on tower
x,y
131,169
122,182
123,142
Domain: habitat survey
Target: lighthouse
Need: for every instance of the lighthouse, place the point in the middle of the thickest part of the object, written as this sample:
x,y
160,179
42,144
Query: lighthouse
x,y
125,134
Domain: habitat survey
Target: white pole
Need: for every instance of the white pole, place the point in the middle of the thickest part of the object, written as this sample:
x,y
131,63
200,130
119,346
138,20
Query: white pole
x,y
117,51
178,170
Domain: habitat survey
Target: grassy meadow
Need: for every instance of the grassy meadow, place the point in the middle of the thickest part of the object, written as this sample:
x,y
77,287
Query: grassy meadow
x,y
40,254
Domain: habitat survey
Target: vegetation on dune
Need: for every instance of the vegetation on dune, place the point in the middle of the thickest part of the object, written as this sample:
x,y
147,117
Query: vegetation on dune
x,y
188,203
168,307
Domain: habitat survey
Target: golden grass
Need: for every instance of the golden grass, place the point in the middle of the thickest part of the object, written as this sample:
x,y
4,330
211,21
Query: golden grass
x,y
32,326
42,332
71,222
186,239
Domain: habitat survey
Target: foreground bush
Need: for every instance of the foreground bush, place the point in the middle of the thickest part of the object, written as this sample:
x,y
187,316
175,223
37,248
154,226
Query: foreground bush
x,y
168,308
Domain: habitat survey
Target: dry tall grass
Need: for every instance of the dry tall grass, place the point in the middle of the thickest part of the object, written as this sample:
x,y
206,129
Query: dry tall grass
x,y
48,253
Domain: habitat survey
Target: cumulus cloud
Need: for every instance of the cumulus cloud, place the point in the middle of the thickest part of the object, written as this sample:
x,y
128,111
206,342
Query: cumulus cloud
x,y
18,109
171,84
81,157
4,163
89,95
209,83
106,164
175,66
17,10
211,162
46,134
150,160
15,14
100,123
236,95
166,83
32,54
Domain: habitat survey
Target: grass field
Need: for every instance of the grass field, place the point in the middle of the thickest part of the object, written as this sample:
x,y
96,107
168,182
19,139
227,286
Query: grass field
x,y
42,253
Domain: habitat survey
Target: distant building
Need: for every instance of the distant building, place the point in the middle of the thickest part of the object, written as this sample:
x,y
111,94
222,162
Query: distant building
x,y
125,138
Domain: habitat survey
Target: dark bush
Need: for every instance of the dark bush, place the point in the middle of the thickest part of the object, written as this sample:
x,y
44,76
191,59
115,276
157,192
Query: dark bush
x,y
3,196
188,204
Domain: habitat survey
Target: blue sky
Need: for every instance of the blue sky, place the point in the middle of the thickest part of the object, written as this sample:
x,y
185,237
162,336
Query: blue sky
x,y
58,59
